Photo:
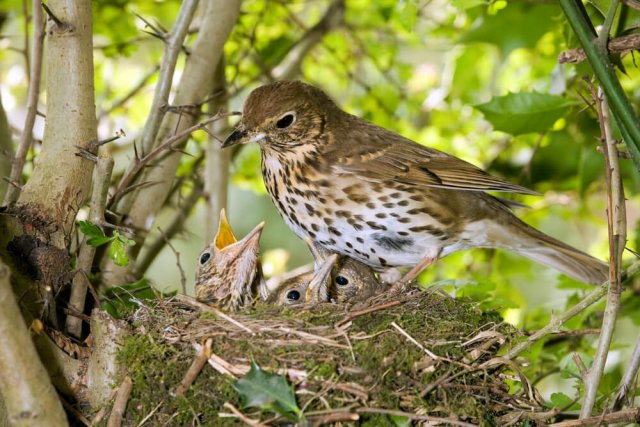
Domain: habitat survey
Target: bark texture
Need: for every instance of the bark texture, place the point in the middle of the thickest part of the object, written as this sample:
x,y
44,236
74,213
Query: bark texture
x,y
29,398
60,180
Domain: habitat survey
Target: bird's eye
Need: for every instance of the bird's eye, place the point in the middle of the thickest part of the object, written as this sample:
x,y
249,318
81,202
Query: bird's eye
x,y
205,257
342,281
286,121
293,295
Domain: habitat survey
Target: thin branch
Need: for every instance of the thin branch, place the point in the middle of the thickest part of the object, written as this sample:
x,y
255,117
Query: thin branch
x,y
617,45
26,139
97,206
626,416
183,279
204,307
417,417
557,321
616,216
134,90
194,370
623,111
629,378
120,404
167,68
128,179
175,225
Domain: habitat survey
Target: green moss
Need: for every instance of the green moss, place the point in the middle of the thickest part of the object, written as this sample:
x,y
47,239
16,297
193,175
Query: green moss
x,y
380,360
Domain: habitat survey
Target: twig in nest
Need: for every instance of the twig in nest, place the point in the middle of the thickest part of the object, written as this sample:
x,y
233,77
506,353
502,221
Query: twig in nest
x,y
416,417
414,341
358,313
120,405
150,414
625,416
243,417
204,307
334,418
195,368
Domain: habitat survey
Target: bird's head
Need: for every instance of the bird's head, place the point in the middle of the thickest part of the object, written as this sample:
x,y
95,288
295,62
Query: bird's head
x,y
228,268
284,115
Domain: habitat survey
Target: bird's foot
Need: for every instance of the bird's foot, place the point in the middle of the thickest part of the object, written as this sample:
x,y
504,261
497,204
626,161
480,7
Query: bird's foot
x,y
401,284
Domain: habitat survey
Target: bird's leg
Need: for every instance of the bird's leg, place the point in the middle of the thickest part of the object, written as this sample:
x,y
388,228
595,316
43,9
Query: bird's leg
x,y
414,272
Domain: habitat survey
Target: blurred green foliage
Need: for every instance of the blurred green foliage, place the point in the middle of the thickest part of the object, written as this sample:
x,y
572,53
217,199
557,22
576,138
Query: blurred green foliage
x,y
477,79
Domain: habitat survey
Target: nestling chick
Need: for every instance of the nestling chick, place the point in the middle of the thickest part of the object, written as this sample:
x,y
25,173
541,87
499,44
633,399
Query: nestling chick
x,y
229,274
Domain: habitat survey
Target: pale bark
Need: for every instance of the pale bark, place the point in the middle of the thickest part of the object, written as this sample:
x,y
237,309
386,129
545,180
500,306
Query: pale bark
x,y
29,398
217,160
196,83
32,103
6,150
60,180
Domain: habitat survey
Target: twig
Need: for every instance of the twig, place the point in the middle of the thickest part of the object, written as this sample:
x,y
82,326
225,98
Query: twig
x,y
242,416
134,90
150,414
174,226
580,364
35,72
120,404
616,219
183,279
167,68
52,15
630,376
413,416
592,331
358,313
333,418
195,368
413,340
204,307
127,180
557,321
625,416
103,411
617,45
69,407
97,206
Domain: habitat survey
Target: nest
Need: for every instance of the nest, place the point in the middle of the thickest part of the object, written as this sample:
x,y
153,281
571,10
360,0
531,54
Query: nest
x,y
423,355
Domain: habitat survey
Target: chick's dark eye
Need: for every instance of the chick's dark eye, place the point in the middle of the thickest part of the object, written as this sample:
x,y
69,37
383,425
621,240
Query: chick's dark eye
x,y
293,295
342,281
205,257
285,121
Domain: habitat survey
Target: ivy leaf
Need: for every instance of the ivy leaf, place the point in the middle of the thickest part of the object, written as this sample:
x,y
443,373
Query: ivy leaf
x,y
268,391
524,112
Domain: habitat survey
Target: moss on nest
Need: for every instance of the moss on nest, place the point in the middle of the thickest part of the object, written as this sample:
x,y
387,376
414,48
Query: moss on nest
x,y
366,362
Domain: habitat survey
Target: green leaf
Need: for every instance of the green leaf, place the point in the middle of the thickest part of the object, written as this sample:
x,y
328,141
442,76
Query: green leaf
x,y
97,241
408,14
524,112
562,401
468,4
123,239
260,389
118,253
90,229
400,421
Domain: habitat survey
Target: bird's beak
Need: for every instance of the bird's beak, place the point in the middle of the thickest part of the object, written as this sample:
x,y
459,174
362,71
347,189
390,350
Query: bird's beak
x,y
242,136
318,291
224,236
251,240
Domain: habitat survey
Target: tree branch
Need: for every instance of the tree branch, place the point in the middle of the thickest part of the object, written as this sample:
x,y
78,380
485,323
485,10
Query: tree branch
x,y
29,397
597,54
629,378
617,45
616,216
33,93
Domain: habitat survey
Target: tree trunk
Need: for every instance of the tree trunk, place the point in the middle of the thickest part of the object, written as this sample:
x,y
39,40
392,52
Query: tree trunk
x,y
196,83
6,149
29,398
61,180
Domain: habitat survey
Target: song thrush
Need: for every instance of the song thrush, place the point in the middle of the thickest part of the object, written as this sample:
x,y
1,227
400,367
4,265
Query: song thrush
x,y
363,191
229,274
349,280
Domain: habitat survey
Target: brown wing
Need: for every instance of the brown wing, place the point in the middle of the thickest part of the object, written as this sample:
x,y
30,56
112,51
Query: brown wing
x,y
381,155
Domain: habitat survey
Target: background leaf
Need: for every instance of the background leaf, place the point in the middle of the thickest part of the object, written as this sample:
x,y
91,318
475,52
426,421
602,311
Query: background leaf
x,y
524,112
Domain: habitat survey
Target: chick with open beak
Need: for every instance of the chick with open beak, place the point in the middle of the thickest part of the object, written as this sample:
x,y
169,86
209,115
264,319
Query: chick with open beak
x,y
229,274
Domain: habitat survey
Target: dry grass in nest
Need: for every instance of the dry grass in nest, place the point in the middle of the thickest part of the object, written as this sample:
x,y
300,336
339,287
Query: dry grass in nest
x,y
422,355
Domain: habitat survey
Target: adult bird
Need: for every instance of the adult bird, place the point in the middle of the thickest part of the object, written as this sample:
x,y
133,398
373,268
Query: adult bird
x,y
363,191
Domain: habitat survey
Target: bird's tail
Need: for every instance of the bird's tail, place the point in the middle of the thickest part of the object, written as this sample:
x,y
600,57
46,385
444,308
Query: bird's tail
x,y
536,245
